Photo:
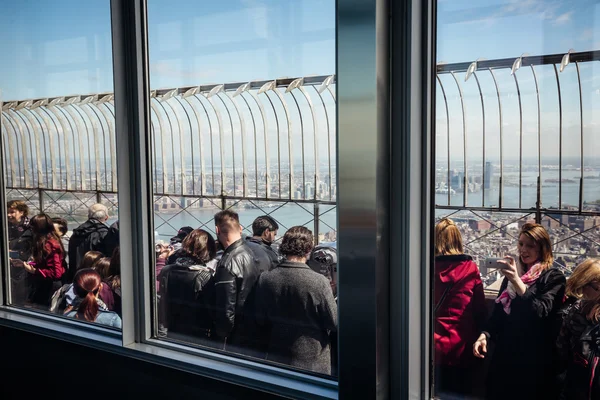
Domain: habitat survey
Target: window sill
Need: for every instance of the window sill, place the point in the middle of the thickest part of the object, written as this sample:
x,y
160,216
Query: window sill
x,y
216,366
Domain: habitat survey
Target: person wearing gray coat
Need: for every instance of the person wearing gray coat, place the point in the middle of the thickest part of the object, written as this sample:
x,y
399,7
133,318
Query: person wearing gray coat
x,y
296,309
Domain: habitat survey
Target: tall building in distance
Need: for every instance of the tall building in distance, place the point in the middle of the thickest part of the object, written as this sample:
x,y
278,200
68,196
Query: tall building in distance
x,y
489,172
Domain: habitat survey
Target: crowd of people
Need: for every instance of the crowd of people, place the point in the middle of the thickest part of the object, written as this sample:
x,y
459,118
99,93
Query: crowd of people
x,y
233,293
541,340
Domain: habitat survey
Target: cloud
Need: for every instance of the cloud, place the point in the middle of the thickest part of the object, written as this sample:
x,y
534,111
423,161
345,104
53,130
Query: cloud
x,y
586,35
563,18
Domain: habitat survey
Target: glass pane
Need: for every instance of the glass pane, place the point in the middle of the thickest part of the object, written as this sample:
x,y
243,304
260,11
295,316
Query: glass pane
x,y
517,175
244,150
58,150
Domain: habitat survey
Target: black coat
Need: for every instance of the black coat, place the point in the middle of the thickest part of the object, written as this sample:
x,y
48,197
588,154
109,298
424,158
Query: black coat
x,y
186,295
524,360
266,255
296,306
579,349
87,237
235,279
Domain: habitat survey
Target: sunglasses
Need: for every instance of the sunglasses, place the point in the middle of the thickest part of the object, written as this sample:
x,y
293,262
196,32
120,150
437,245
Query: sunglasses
x,y
595,286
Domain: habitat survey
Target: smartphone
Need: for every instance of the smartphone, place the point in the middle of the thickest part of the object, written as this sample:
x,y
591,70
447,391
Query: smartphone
x,y
492,263
13,254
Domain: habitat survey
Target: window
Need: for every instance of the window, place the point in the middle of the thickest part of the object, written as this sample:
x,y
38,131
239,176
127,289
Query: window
x,y
58,148
514,147
243,120
243,131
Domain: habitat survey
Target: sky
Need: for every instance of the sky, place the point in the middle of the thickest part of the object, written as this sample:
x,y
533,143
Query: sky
x,y
63,47
52,48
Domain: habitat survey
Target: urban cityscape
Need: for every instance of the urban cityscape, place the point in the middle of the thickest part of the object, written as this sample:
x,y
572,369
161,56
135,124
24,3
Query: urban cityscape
x,y
490,233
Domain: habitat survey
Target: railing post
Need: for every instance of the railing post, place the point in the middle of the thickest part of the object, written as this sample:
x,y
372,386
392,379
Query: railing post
x,y
316,221
41,199
223,201
538,203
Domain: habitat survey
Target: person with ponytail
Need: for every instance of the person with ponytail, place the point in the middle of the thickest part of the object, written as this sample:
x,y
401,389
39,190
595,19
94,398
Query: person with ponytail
x,y
88,306
460,312
46,265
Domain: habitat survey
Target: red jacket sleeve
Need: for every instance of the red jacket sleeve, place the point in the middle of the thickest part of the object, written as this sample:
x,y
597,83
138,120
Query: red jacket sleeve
x,y
53,268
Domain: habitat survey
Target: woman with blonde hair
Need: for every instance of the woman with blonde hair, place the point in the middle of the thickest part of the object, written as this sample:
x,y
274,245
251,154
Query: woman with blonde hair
x,y
459,311
579,285
523,324
579,336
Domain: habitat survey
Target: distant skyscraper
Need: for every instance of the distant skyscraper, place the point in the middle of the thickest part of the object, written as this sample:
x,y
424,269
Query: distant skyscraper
x,y
488,175
308,190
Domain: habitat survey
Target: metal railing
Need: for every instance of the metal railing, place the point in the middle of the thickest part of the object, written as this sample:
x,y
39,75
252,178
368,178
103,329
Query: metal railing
x,y
496,105
264,141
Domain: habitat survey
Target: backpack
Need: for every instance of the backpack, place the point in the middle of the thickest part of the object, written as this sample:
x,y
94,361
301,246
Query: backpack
x,y
58,303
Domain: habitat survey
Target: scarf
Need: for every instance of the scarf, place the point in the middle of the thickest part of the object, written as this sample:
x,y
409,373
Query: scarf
x,y
528,279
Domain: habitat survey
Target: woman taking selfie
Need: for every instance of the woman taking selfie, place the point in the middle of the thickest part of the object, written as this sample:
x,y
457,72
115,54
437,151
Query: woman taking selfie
x,y
525,322
460,312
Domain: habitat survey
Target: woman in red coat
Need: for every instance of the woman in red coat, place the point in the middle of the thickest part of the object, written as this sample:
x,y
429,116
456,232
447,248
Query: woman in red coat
x,y
460,311
47,264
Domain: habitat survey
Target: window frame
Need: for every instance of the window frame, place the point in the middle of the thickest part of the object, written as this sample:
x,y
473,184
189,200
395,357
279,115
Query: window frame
x,y
383,333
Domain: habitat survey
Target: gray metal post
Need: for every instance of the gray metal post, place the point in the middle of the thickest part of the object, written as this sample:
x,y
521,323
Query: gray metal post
x,y
316,222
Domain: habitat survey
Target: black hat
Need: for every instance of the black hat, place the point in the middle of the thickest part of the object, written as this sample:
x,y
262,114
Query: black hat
x,y
181,234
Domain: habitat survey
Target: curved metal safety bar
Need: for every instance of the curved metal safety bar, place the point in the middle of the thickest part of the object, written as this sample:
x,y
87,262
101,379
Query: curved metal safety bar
x,y
520,139
464,126
37,121
448,183
483,138
68,143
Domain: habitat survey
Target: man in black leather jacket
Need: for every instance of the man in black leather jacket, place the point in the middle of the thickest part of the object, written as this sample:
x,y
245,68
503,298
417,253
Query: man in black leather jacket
x,y
235,278
264,231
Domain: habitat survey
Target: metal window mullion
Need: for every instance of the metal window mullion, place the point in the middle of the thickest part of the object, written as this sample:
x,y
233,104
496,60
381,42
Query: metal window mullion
x,y
134,162
412,181
4,276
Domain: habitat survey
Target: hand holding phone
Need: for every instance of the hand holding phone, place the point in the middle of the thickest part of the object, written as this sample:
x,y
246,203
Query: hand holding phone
x,y
492,263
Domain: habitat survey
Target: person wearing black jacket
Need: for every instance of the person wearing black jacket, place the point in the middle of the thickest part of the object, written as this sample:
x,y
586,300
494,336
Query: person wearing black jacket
x,y
235,278
187,289
87,237
20,237
525,322
264,232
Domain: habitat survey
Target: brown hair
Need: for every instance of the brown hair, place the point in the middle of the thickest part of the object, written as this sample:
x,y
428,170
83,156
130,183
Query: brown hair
x,y
102,266
199,245
114,270
591,309
540,236
62,223
18,205
89,259
227,221
43,231
586,272
448,240
298,241
86,285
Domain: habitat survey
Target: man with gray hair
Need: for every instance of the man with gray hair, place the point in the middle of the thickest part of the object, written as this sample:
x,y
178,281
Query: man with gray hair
x,y
89,236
